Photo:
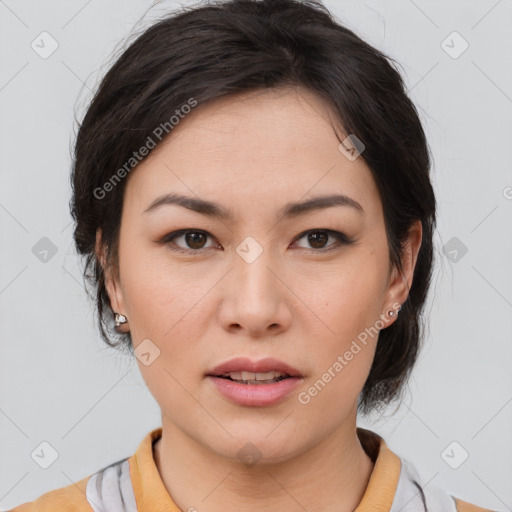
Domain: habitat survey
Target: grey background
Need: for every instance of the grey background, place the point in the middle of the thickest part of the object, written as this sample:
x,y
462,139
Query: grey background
x,y
60,384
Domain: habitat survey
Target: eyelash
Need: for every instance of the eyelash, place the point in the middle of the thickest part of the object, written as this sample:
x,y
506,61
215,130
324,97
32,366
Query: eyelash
x,y
341,237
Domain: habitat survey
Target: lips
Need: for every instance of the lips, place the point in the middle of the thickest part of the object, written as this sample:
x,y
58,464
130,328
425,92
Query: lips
x,y
259,390
243,364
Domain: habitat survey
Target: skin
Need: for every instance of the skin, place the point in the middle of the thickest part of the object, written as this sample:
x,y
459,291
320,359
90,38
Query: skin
x,y
253,153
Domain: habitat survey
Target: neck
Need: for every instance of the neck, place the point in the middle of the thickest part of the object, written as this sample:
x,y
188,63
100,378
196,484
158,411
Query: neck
x,y
331,476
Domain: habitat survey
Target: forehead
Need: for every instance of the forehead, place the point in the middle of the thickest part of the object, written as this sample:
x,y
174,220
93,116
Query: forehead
x,y
253,150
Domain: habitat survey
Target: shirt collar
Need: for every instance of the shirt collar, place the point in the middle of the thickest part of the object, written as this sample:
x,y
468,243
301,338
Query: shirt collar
x,y
383,482
151,494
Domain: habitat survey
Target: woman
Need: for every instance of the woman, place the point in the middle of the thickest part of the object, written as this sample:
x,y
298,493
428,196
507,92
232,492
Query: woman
x,y
251,192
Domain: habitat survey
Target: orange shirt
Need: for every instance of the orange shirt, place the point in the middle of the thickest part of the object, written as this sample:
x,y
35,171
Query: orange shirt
x,y
134,485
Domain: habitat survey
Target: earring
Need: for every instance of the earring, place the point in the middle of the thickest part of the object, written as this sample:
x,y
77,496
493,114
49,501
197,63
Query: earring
x,y
119,319
392,313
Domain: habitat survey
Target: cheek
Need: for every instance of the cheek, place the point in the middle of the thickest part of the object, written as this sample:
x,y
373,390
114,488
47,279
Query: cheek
x,y
348,299
348,307
167,307
343,357
160,295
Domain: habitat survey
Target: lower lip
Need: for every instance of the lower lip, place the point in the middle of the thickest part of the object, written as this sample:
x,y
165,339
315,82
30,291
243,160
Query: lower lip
x,y
255,394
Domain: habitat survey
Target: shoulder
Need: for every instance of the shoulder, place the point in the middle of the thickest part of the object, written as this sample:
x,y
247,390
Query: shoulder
x,y
464,506
414,496
69,498
109,487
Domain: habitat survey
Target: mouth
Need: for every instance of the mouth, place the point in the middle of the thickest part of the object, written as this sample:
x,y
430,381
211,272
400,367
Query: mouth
x,y
245,371
254,378
255,383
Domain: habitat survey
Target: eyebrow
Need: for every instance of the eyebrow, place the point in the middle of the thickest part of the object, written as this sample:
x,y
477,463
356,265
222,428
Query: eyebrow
x,y
289,210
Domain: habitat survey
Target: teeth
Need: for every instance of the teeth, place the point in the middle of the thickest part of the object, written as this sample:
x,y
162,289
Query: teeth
x,y
248,376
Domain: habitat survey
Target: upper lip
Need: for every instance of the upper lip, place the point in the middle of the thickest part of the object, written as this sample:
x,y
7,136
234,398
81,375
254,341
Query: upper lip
x,y
244,364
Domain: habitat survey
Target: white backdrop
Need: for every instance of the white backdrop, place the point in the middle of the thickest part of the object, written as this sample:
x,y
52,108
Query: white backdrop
x,y
60,384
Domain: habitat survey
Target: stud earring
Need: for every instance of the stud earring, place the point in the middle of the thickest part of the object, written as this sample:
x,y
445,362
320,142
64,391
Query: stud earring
x,y
119,319
391,313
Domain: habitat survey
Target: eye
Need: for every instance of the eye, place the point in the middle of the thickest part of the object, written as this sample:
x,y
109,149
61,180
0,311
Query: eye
x,y
194,240
317,238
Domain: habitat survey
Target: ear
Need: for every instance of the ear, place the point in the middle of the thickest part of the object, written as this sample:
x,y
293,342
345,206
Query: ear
x,y
400,283
111,281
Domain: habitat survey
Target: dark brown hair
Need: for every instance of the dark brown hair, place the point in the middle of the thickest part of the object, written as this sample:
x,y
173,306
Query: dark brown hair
x,y
225,47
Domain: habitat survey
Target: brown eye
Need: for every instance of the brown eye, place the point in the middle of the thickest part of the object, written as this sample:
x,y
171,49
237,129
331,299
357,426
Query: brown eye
x,y
318,238
193,241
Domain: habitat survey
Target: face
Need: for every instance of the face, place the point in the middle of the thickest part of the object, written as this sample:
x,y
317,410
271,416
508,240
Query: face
x,y
301,287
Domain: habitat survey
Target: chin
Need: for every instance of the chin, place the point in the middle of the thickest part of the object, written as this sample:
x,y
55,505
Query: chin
x,y
257,444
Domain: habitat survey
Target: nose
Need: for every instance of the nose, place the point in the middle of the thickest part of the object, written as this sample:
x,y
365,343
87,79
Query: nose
x,y
256,298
